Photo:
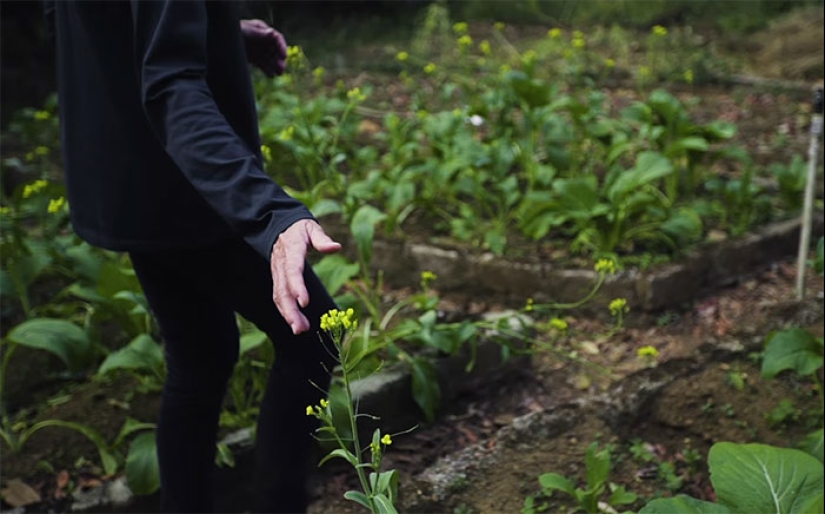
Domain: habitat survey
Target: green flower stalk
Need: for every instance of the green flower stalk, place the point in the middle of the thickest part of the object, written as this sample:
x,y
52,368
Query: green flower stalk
x,y
378,488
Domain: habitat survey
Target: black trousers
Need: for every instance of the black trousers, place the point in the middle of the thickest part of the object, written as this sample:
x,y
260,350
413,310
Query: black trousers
x,y
194,295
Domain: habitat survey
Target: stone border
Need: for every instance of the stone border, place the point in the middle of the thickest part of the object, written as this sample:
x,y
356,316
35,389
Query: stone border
x,y
668,286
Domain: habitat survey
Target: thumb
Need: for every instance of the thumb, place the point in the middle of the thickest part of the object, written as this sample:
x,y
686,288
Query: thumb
x,y
321,241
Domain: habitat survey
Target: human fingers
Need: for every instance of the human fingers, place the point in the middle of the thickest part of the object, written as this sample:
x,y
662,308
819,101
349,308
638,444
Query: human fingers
x,y
320,241
283,293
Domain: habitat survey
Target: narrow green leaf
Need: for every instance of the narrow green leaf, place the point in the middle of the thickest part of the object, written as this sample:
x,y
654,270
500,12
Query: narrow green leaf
x,y
358,497
142,470
62,338
340,453
384,504
425,388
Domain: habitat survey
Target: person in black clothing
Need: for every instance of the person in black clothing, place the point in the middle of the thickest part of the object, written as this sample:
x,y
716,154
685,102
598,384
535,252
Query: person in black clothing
x,y
162,160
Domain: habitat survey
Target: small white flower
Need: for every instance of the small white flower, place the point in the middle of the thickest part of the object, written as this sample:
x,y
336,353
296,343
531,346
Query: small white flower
x,y
476,120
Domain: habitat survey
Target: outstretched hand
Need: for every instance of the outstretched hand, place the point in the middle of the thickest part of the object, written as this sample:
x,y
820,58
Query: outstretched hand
x,y
265,47
287,263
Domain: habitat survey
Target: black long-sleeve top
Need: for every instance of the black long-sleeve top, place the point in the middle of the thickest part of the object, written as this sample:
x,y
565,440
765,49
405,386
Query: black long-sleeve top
x,y
159,127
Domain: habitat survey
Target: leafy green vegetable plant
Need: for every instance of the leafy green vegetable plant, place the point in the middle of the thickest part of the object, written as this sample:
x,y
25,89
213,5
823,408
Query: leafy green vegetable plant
x,y
752,478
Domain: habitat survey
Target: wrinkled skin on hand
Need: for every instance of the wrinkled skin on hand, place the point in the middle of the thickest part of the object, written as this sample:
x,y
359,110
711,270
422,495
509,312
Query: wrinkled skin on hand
x,y
287,263
265,47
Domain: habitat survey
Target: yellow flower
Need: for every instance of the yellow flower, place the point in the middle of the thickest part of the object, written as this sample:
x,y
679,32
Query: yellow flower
x,y
310,410
429,68
609,63
356,95
318,74
287,133
579,43
55,205
4,211
465,42
485,47
42,115
267,153
659,30
42,151
324,403
427,277
34,188
688,75
606,266
559,324
529,56
335,320
645,71
294,55
498,26
618,306
647,352
402,56
386,440
460,28
529,306
554,33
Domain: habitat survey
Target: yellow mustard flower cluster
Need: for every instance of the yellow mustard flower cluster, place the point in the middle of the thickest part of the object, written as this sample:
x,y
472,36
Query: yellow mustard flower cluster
x,y
530,306
498,26
465,42
266,151
578,39
430,68
609,63
318,75
42,115
607,266
559,324
40,151
402,56
375,448
316,410
658,31
554,33
287,133
56,205
647,352
485,47
618,306
336,320
34,188
294,56
356,95
4,211
461,28
427,277
688,76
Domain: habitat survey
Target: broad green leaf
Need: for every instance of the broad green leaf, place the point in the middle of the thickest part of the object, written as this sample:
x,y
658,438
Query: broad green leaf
x,y
621,496
425,388
554,481
142,471
795,349
114,278
683,226
142,353
577,197
252,340
761,478
62,338
363,229
693,143
325,207
719,130
813,443
683,504
387,483
597,463
86,261
334,271
650,166
358,497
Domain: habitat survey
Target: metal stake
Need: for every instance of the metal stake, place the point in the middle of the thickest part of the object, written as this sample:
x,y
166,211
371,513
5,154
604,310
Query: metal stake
x,y
808,209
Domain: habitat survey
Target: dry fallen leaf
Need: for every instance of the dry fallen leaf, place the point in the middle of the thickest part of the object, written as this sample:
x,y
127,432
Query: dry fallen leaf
x,y
19,494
